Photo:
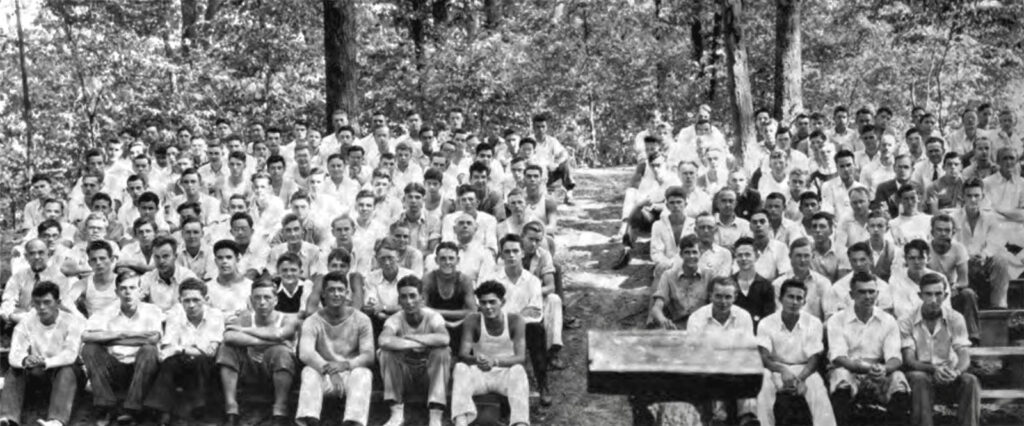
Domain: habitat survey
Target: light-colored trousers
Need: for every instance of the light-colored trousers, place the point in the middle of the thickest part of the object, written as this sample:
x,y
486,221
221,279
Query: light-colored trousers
x,y
354,386
552,314
469,381
398,370
816,397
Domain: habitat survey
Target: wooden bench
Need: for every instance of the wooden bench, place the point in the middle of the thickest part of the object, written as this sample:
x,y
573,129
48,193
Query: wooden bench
x,y
1015,367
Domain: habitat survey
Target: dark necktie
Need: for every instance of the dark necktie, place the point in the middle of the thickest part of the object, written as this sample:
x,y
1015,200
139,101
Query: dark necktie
x,y
935,173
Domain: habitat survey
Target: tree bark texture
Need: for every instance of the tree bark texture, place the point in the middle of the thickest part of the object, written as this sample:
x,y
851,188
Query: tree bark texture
x,y
738,75
492,14
189,17
342,70
788,65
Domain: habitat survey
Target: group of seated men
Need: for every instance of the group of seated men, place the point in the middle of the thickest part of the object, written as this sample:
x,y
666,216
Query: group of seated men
x,y
880,250
190,262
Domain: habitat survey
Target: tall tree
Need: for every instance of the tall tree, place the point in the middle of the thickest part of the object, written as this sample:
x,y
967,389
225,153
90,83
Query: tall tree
x,y
189,17
340,57
733,32
788,65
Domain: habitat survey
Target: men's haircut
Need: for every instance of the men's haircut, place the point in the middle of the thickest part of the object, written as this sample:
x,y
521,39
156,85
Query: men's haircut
x,y
399,224
490,287
231,138
289,257
818,134
1006,150
433,174
675,191
909,187
44,288
652,139
879,213
540,118
185,220
942,217
809,195
426,129
95,152
40,177
136,178
263,283
828,217
817,116
148,197
276,159
410,281
387,243
743,241
518,159
192,284
335,156
527,141
479,166
725,281
777,196
984,106
345,128
801,116
100,245
100,176
534,226
241,216
52,200
859,247
865,110
340,255
125,276
536,167
927,115
144,157
911,131
464,189
381,173
415,188
190,205
860,277
932,278
761,110
335,277
759,210
515,192
484,147
299,195
227,244
845,153
192,171
974,182
448,245
509,238
259,175
289,218
273,129
316,170
859,188
935,139
365,193
917,244
387,156
47,224
688,241
792,283
885,110
165,240
799,243
403,146
143,221
355,148
868,128
101,196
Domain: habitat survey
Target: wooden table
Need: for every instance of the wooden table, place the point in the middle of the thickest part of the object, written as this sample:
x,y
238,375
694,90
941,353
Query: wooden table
x,y
671,365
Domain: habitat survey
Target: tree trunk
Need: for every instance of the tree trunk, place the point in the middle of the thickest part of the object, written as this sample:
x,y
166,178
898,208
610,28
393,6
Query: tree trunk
x,y
738,76
417,29
440,11
26,101
660,66
788,67
340,58
492,14
189,17
212,7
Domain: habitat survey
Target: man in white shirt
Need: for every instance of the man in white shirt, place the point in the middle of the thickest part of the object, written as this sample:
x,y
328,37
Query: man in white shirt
x,y
790,342
864,347
120,342
1005,193
187,350
929,169
486,224
554,155
835,192
911,224
160,285
45,345
991,265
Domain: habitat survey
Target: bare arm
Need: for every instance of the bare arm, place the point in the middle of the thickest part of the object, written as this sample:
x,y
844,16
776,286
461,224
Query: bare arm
x,y
469,332
910,358
389,341
517,332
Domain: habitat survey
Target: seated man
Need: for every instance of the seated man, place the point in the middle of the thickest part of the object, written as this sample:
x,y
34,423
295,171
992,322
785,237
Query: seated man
x,y
643,206
187,350
950,258
414,343
492,358
539,261
120,346
291,232
160,285
790,342
864,347
17,294
229,291
990,265
259,345
380,291
293,291
681,289
800,259
722,320
449,291
668,229
486,224
44,348
935,350
337,348
838,298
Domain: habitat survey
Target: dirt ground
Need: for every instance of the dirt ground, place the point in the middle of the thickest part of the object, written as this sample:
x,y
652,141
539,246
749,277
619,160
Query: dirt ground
x,y
599,297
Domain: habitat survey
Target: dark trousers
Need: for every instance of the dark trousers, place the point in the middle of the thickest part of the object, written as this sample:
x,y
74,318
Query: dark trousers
x,y
536,346
966,390
640,222
63,384
106,372
966,303
564,174
190,373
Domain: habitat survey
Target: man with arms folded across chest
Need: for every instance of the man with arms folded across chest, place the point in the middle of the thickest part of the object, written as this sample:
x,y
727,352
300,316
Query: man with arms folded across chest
x,y
337,348
934,341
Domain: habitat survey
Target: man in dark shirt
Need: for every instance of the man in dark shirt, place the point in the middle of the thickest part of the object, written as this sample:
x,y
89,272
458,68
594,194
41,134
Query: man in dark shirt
x,y
886,192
